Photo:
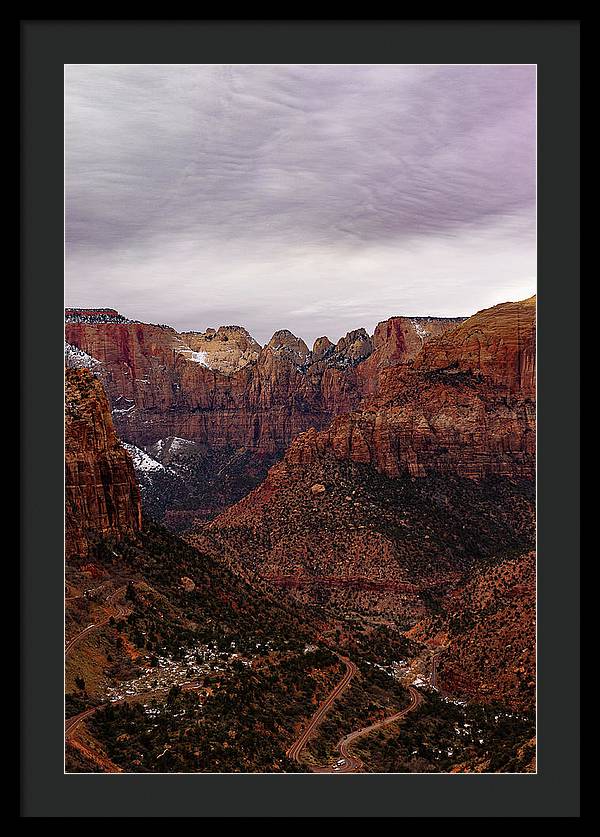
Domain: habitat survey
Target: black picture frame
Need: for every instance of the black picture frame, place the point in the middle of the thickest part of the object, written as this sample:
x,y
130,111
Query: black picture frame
x,y
46,45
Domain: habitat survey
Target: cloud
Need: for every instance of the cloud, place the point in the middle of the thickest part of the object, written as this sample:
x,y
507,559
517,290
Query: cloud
x,y
284,195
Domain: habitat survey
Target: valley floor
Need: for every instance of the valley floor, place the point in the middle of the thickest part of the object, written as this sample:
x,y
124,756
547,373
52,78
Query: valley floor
x,y
158,682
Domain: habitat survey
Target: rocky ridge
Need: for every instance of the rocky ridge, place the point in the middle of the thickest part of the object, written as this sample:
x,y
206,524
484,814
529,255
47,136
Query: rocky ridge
x,y
453,420
239,404
340,534
487,628
102,495
220,388
464,405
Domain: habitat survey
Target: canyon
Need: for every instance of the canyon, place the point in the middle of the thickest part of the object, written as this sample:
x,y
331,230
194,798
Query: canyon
x,y
238,403
220,388
391,506
372,498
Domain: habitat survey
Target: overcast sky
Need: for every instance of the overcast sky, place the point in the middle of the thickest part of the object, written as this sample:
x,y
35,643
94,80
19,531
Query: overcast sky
x,y
318,198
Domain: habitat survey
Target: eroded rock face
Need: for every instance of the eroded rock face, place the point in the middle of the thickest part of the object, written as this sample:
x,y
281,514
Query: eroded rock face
x,y
356,346
102,495
465,425
497,343
287,345
226,350
220,389
322,347
396,342
465,405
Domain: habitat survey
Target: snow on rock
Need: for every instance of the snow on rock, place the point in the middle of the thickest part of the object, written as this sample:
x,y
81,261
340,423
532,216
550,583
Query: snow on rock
x,y
183,349
421,332
200,357
173,451
141,461
78,359
177,443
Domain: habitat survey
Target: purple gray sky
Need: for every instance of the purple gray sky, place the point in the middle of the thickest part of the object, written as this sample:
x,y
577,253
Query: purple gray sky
x,y
318,198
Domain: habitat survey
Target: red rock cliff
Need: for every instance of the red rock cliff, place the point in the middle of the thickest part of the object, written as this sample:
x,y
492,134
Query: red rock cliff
x,y
465,405
497,343
218,388
454,413
101,492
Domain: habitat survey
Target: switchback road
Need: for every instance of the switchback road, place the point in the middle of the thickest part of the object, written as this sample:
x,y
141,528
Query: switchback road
x,y
347,762
295,750
352,764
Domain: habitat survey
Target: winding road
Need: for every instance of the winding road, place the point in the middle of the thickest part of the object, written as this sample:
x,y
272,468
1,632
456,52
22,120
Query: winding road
x,y
295,750
353,764
72,723
116,610
347,763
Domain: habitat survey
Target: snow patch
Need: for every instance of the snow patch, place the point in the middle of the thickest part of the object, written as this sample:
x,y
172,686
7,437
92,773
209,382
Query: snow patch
x,y
200,357
421,332
78,359
178,444
141,461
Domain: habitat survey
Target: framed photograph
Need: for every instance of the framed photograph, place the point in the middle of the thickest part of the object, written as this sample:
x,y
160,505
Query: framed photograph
x,y
288,511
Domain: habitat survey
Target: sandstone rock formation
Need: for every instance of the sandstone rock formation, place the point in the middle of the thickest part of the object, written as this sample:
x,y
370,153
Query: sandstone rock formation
x,y
287,345
226,350
464,405
423,395
322,347
440,415
497,344
102,495
220,389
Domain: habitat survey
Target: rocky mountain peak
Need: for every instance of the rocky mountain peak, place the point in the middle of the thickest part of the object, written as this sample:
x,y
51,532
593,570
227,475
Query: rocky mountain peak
x,y
287,344
321,348
226,349
356,345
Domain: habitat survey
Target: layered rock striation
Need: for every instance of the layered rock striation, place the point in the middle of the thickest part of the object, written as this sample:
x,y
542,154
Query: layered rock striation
x,y
465,404
221,389
450,434
101,491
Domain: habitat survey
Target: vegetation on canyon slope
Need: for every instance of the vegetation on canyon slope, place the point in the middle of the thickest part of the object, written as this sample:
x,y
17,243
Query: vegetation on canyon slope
x,y
212,655
367,542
